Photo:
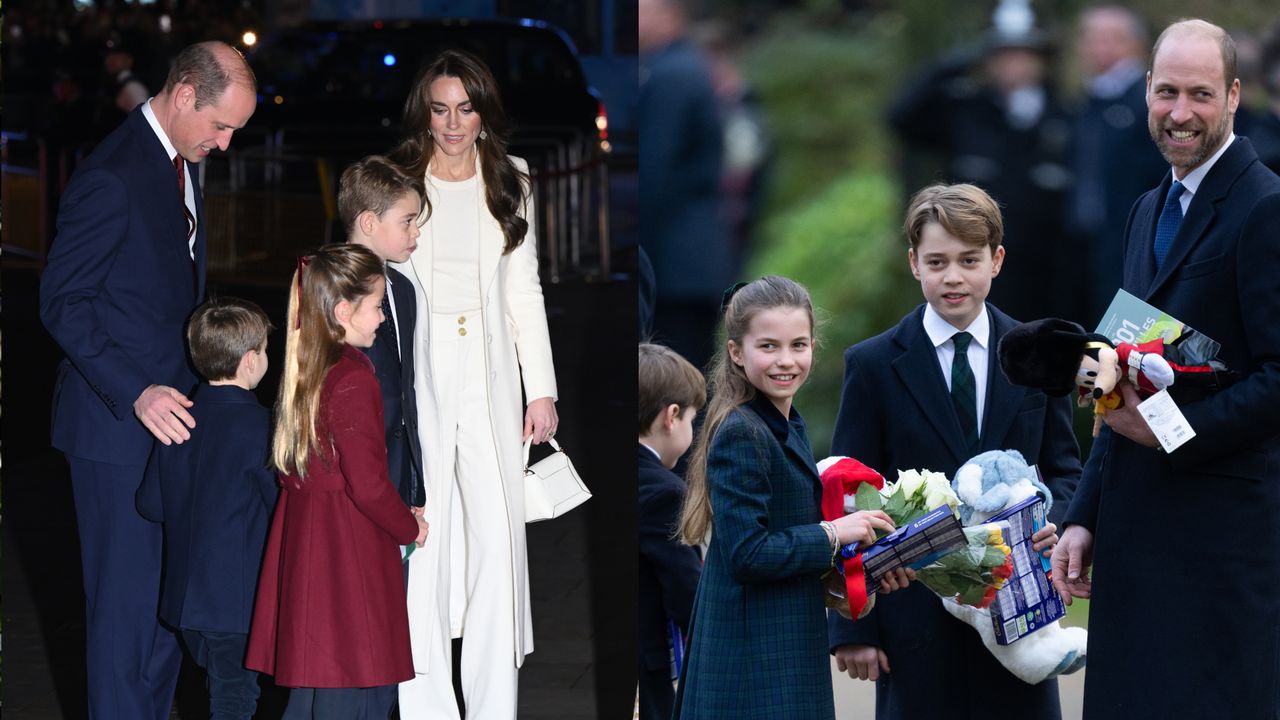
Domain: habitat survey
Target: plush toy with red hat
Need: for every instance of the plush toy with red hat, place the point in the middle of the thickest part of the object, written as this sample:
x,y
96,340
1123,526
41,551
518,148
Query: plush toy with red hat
x,y
1058,356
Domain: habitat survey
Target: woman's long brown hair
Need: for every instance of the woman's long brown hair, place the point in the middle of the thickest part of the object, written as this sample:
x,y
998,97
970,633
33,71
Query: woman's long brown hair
x,y
506,187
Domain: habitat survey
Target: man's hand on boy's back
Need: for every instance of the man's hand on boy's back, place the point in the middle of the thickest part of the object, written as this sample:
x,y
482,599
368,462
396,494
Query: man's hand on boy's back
x,y
163,411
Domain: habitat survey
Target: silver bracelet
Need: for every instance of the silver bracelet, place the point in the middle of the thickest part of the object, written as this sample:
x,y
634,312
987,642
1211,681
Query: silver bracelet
x,y
832,537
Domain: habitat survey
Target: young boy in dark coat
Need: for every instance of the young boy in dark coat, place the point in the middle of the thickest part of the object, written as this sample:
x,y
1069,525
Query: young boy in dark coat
x,y
379,204
214,494
671,392
929,394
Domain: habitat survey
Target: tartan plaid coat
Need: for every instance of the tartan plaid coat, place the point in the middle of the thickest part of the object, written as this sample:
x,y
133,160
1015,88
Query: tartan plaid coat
x,y
757,639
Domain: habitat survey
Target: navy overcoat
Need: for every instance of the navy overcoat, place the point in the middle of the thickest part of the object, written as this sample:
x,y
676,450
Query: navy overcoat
x,y
896,414
214,494
1189,627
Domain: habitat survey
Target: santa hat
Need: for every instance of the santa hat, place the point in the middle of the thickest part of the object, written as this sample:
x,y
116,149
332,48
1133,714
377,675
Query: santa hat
x,y
841,476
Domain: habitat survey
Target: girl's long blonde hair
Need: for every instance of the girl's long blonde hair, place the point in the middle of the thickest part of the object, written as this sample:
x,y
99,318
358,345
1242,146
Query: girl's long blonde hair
x,y
328,276
729,388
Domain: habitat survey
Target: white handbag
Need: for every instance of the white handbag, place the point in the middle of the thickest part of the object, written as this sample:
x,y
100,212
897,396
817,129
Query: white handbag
x,y
551,486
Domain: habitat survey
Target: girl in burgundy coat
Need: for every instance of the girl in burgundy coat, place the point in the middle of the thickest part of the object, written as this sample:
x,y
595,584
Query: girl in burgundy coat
x,y
329,619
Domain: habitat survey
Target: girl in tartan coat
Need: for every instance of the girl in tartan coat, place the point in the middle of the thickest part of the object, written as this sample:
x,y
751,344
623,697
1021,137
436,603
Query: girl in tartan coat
x,y
757,637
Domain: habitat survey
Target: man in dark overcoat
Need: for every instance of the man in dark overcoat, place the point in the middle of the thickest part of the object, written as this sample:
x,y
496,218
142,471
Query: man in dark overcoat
x,y
1184,545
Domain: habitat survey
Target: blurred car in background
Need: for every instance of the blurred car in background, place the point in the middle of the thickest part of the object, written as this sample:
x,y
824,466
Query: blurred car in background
x,y
332,92
352,78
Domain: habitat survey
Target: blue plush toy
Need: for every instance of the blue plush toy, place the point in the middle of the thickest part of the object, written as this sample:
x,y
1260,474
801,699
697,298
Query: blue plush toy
x,y
993,481
986,485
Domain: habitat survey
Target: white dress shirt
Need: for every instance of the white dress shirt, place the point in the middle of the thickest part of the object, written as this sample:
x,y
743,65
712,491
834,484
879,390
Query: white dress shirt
x,y
940,332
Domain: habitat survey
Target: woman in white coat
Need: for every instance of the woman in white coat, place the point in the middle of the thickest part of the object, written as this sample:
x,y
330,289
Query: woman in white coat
x,y
481,330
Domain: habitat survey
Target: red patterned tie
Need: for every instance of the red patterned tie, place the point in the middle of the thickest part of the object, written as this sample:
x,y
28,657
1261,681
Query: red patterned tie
x,y
179,165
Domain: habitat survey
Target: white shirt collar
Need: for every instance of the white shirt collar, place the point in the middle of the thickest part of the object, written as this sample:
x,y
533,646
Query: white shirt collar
x,y
655,452
150,115
940,331
1193,179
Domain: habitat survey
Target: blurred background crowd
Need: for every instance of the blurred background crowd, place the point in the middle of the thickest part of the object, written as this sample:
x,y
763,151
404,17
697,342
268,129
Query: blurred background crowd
x,y
828,114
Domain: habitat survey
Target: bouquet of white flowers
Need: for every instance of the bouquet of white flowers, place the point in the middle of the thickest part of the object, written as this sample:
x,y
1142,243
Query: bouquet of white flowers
x,y
970,575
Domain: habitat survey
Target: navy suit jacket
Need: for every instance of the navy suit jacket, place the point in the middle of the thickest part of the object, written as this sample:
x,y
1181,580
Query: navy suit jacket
x,y
399,403
214,494
667,581
117,292
896,414
1220,278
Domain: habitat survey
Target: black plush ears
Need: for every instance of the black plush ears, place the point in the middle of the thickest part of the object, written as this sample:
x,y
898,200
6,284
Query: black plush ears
x,y
1043,354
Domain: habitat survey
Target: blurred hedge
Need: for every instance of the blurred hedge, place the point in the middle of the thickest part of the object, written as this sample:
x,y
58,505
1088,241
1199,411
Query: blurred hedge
x,y
831,221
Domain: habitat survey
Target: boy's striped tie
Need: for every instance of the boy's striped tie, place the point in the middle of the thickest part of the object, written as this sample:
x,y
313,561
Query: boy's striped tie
x,y
964,392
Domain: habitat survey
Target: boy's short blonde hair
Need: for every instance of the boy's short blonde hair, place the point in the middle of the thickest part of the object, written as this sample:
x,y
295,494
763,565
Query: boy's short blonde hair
x,y
375,184
221,331
965,211
666,378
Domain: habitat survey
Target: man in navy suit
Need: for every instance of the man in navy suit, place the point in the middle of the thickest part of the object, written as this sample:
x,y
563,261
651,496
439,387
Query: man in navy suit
x,y
929,395
379,204
1202,246
125,271
671,391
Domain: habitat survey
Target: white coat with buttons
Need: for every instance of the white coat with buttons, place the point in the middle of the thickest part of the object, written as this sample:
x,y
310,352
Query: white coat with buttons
x,y
518,348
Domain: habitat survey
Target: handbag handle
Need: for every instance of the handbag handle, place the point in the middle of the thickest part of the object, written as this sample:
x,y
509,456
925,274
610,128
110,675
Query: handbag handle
x,y
529,443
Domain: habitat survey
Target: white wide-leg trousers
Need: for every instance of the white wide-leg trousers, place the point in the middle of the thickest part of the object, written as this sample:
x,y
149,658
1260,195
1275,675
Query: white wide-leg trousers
x,y
476,544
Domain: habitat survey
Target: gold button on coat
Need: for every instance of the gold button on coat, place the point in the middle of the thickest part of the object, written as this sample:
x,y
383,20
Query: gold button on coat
x,y
462,331
462,319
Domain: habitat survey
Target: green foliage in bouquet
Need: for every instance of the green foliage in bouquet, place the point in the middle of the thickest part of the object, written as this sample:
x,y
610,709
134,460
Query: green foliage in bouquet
x,y
912,497
971,575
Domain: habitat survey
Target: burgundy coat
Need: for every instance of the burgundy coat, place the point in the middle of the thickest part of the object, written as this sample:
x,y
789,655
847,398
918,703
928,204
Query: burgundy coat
x,y
330,610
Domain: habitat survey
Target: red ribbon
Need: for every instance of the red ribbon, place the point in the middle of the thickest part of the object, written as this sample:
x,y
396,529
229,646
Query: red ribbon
x,y
840,479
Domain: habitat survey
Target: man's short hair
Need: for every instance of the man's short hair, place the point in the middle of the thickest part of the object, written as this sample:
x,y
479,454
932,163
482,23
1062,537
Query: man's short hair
x,y
199,66
1226,45
965,211
221,331
374,184
666,378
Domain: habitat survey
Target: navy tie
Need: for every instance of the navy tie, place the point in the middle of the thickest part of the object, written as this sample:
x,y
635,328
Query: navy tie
x,y
1170,221
964,394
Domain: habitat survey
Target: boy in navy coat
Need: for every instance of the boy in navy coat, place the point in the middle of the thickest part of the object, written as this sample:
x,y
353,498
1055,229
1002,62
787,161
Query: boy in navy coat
x,y
671,392
379,204
929,394
215,494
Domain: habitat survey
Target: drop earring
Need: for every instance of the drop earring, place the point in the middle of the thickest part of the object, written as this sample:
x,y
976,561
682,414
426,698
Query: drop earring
x,y
484,134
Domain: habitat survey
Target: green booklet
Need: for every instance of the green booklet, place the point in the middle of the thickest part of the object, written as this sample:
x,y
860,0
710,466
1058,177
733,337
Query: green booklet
x,y
1130,320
